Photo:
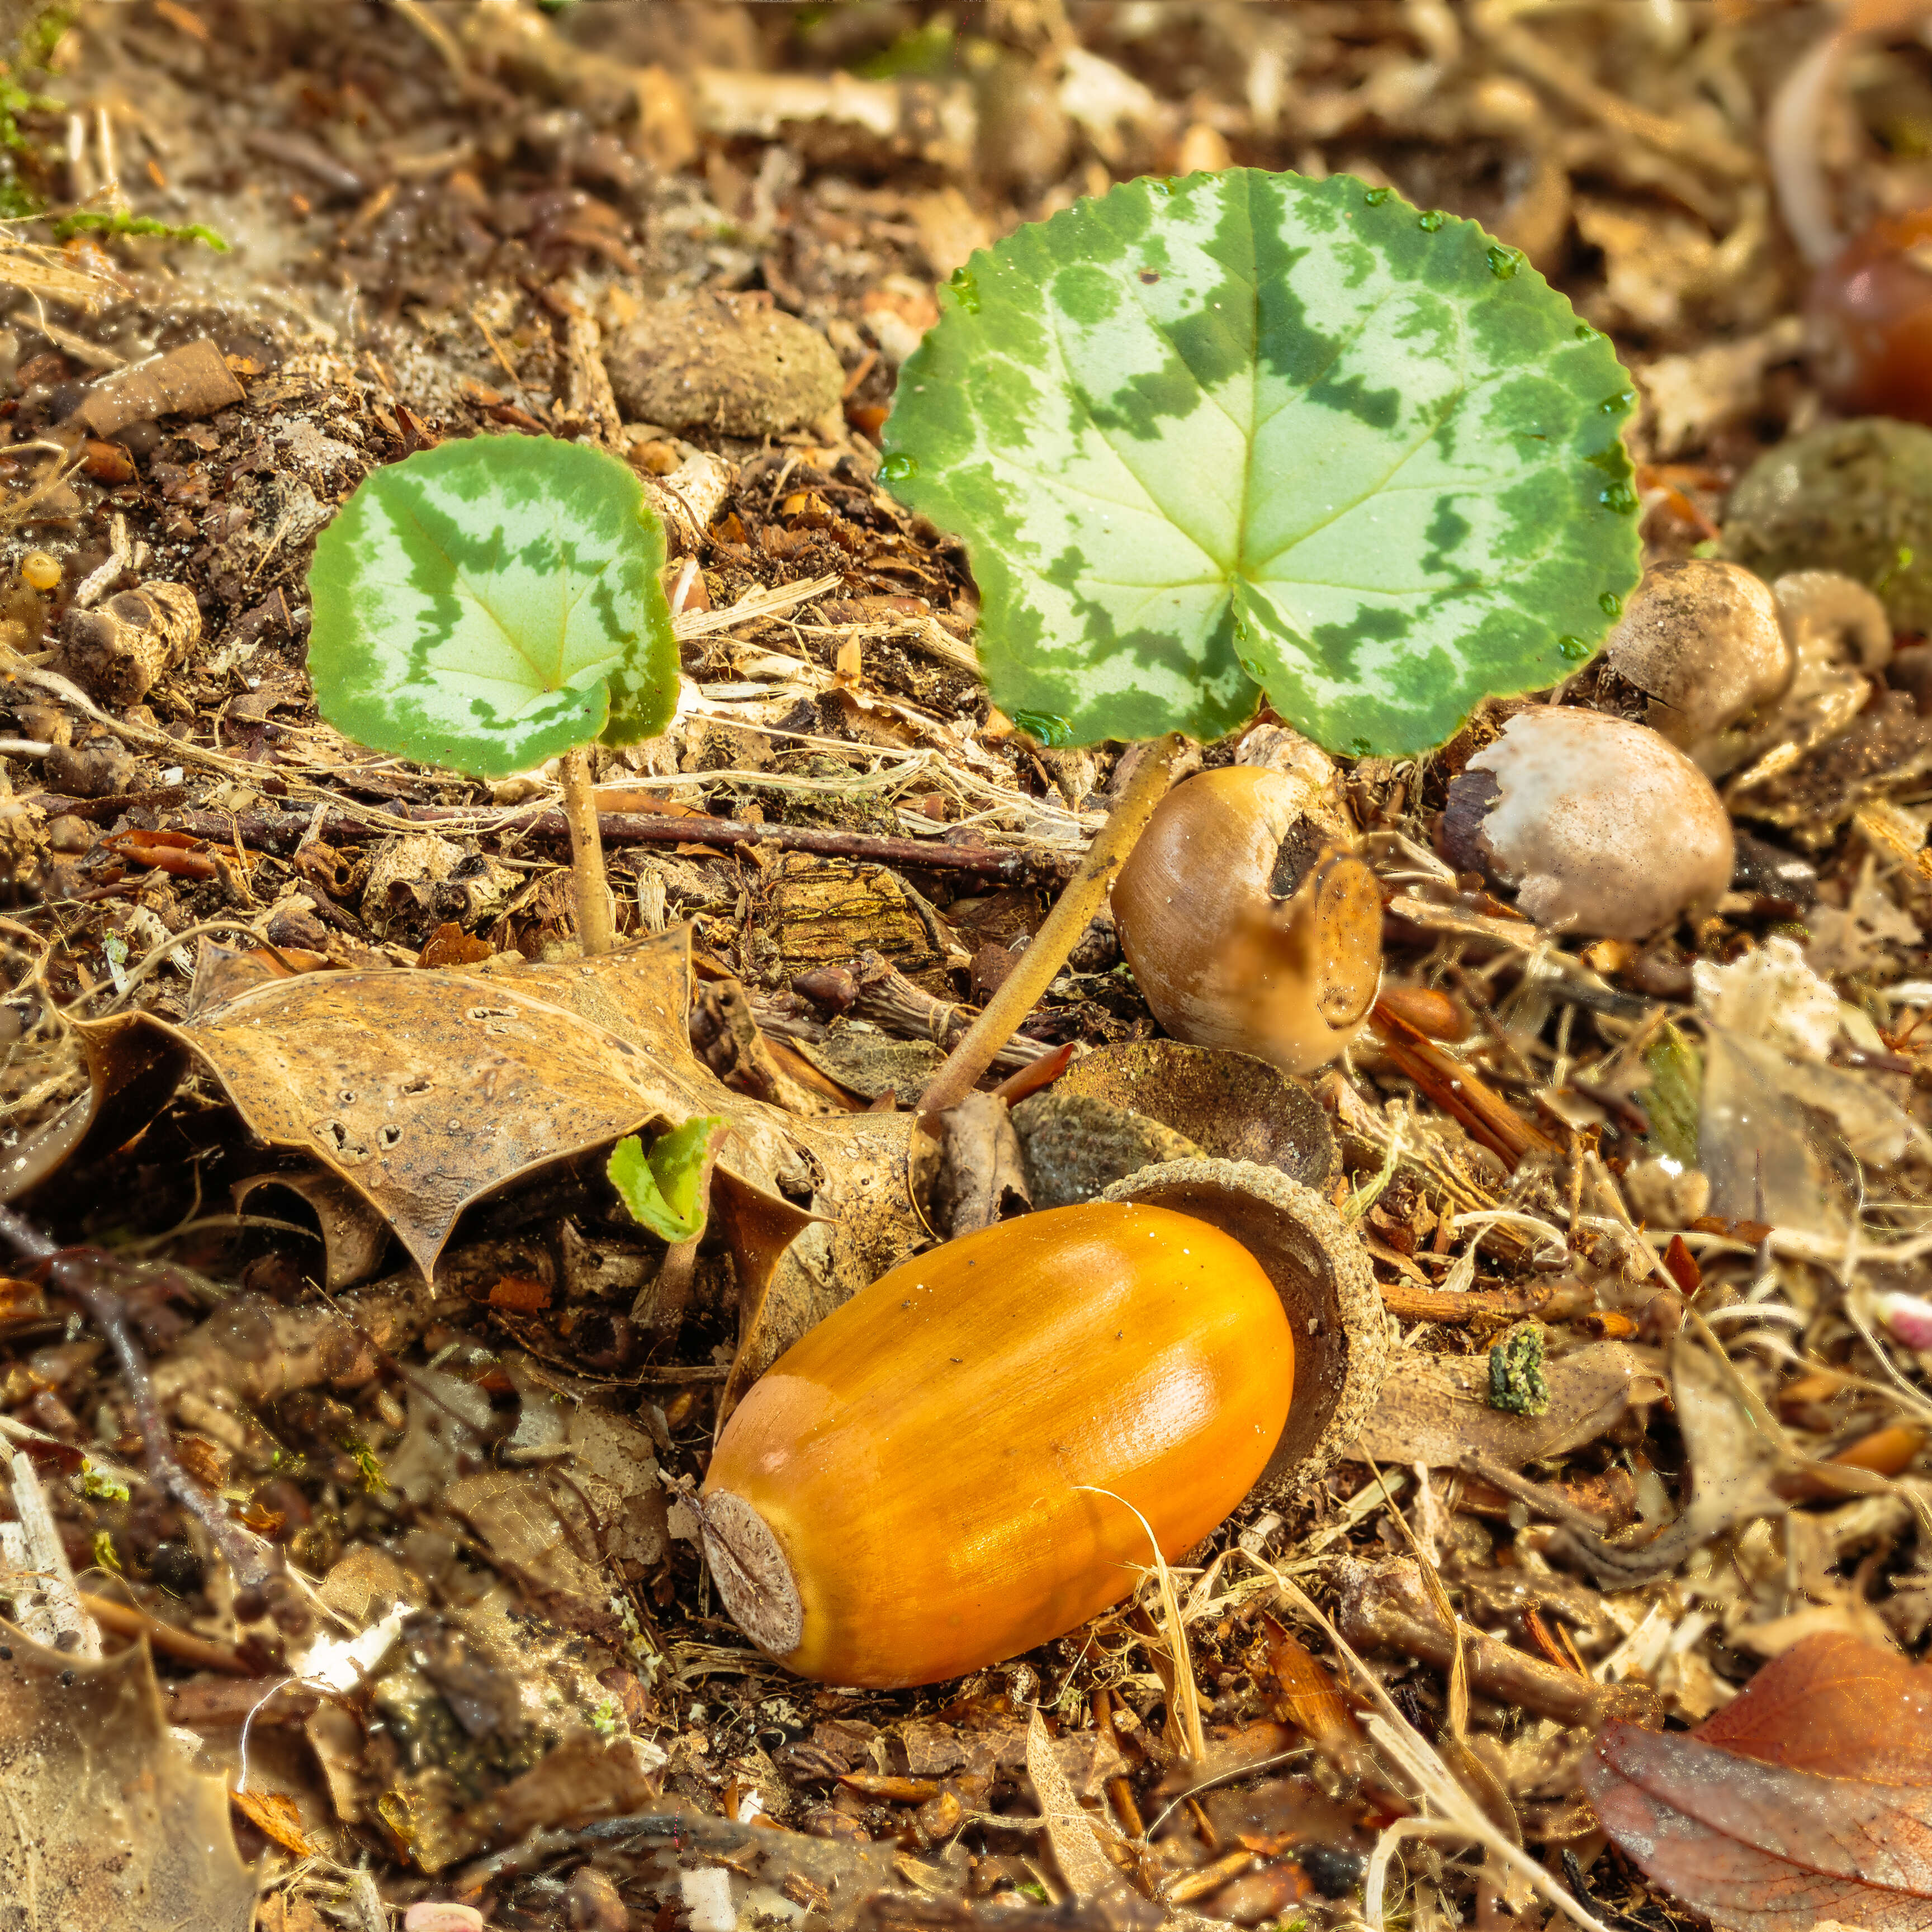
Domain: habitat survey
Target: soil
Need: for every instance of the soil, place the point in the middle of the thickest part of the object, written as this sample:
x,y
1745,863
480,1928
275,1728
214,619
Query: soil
x,y
705,236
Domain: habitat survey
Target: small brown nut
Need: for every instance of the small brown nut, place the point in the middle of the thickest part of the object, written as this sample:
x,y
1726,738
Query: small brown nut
x,y
1701,641
1245,925
1601,827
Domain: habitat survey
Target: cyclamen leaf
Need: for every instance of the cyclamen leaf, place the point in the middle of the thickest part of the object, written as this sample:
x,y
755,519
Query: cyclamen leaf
x,y
663,1189
1250,430
486,604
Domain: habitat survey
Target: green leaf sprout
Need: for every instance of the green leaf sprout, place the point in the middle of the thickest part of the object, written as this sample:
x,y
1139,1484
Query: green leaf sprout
x,y
665,1190
490,604
1248,433
111,221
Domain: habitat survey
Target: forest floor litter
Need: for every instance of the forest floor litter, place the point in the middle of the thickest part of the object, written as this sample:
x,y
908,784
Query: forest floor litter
x,y
352,1508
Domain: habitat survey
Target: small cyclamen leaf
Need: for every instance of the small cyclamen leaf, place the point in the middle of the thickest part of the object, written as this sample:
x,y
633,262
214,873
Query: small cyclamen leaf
x,y
489,604
663,1189
1249,429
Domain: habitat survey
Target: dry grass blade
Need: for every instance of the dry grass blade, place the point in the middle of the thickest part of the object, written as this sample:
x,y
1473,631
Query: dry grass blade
x,y
1471,1774
762,603
44,271
1392,1734
1186,1694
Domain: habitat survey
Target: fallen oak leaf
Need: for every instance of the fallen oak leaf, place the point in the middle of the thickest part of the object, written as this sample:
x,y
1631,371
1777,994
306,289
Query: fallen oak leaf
x,y
1808,1798
104,1823
425,1091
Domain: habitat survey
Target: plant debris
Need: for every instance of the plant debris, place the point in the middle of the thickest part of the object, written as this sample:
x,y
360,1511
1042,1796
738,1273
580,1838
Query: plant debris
x,y
352,1565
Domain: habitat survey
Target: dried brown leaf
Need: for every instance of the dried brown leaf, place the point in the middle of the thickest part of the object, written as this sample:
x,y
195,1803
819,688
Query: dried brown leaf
x,y
273,1813
1808,1798
423,1091
102,1822
1437,1409
1073,1833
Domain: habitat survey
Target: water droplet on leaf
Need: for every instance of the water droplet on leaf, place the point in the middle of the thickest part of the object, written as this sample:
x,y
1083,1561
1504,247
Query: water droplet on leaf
x,y
1574,649
1618,496
1504,262
899,469
1431,221
966,289
1376,197
1610,604
1615,405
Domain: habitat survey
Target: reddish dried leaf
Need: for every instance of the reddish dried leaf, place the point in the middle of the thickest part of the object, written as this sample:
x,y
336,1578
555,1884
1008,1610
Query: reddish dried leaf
x,y
273,1813
1838,1707
1682,1265
521,1292
449,945
173,852
1808,1798
1309,1700
1753,1232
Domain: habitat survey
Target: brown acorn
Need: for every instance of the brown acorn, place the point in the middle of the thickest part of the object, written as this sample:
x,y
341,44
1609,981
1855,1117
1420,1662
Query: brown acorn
x,y
967,1459
1247,924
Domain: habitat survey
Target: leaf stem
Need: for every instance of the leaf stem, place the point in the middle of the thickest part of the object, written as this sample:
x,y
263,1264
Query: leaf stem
x,y
596,932
1039,965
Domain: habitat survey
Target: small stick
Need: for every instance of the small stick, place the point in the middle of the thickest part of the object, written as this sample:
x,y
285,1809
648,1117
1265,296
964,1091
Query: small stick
x,y
125,1620
594,931
33,1543
1455,1088
73,1276
1039,965
1389,1610
283,832
1457,1306
1119,1789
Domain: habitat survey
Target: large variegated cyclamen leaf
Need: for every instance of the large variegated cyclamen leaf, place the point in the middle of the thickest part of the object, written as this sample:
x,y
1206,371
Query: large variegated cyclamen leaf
x,y
1250,430
486,604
